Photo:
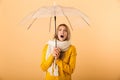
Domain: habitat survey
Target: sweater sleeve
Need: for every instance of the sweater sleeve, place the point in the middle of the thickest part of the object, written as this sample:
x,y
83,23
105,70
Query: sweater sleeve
x,y
68,67
45,64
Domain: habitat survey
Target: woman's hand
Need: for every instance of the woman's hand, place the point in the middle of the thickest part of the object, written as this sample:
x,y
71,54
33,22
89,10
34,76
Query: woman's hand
x,y
56,52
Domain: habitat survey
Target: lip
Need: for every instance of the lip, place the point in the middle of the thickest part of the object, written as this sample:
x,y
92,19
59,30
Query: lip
x,y
61,36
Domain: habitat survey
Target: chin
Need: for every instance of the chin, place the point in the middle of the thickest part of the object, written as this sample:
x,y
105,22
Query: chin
x,y
62,40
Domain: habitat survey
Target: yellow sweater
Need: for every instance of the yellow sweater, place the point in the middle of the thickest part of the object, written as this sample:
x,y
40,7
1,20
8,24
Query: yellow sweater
x,y
66,64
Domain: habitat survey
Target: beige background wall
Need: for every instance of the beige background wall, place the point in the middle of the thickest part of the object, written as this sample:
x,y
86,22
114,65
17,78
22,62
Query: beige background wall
x,y
98,48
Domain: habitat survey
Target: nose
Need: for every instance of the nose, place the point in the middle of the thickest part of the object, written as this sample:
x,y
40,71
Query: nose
x,y
62,31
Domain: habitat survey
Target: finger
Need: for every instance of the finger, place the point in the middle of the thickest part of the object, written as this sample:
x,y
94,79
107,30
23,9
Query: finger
x,y
59,49
54,54
57,54
56,50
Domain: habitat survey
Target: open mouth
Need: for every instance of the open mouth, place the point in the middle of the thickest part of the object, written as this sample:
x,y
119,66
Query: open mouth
x,y
62,36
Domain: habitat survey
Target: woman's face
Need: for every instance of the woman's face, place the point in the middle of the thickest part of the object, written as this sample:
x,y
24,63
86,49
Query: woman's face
x,y
62,33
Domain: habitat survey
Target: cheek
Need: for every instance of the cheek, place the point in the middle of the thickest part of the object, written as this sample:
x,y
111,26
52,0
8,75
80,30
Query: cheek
x,y
58,33
66,34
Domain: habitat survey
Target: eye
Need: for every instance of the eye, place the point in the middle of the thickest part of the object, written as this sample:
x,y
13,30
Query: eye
x,y
59,29
65,30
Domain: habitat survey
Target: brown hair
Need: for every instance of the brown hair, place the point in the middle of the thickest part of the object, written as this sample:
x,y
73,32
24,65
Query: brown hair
x,y
68,32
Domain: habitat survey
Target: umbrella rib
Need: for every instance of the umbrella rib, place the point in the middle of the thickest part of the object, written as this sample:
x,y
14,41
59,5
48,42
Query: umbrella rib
x,y
67,18
85,21
68,21
50,24
33,20
80,16
31,23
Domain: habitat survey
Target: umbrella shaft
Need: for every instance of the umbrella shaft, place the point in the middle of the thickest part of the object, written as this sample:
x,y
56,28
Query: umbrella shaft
x,y
55,32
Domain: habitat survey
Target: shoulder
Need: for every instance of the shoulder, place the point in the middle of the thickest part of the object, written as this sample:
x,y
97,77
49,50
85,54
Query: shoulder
x,y
73,50
45,47
72,47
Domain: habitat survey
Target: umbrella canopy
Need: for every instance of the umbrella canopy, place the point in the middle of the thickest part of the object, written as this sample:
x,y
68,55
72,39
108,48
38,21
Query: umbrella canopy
x,y
55,11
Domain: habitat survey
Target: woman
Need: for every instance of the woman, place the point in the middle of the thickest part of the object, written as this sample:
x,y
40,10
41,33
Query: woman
x,y
59,62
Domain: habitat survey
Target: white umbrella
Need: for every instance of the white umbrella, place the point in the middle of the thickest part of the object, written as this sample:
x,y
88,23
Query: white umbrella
x,y
57,10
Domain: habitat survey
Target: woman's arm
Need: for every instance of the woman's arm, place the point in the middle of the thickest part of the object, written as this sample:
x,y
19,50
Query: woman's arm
x,y
68,67
45,64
